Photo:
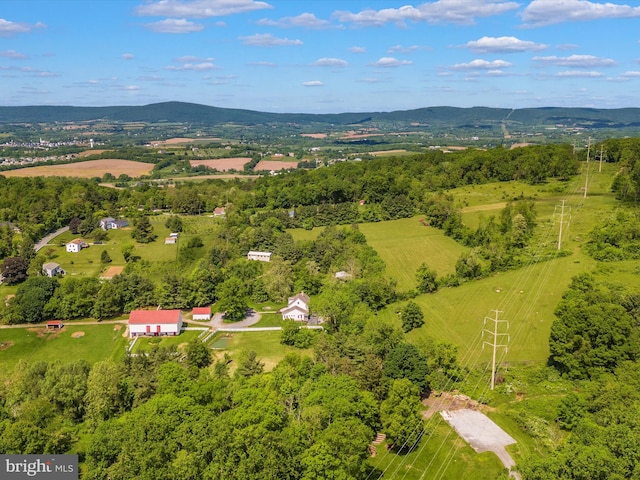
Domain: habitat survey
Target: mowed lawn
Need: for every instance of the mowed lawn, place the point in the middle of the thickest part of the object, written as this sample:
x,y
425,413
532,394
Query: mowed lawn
x,y
267,346
405,244
526,298
99,342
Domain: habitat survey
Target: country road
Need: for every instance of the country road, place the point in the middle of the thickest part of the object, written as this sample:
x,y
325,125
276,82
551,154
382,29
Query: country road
x,y
44,241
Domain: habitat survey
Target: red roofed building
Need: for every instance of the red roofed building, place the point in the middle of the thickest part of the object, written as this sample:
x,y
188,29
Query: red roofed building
x,y
201,313
154,322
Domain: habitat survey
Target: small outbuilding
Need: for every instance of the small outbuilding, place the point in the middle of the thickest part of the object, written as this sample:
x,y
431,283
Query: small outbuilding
x,y
259,256
201,313
155,323
54,324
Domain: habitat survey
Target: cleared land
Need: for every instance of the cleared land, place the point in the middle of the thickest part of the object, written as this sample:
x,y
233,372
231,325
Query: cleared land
x,y
404,244
36,344
222,164
88,169
275,165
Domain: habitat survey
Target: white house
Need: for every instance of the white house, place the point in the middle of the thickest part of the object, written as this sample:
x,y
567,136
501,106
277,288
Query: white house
x,y
155,322
201,313
260,256
51,269
109,223
297,308
75,245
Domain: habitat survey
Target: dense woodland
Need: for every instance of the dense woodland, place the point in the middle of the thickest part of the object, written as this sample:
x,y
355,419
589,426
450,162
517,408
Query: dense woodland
x,y
161,416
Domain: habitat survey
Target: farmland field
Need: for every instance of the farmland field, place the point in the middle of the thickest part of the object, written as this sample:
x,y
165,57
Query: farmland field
x,y
404,244
222,164
274,165
88,169
99,342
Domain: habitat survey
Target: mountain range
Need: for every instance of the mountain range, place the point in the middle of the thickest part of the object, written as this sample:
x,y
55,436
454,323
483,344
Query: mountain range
x,y
181,112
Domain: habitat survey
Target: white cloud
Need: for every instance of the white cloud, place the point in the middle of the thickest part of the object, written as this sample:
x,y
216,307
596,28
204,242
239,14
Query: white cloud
x,y
193,59
357,49
548,12
630,74
390,62
503,45
331,62
402,49
8,28
268,40
479,64
313,83
198,67
128,56
174,25
579,73
440,11
304,20
130,88
576,61
13,55
199,8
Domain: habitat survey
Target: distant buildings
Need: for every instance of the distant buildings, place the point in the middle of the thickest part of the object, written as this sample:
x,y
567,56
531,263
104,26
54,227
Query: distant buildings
x,y
155,323
109,223
260,256
52,269
75,245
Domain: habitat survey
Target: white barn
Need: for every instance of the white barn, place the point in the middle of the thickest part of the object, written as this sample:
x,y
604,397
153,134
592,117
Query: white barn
x,y
155,323
201,313
260,256
297,308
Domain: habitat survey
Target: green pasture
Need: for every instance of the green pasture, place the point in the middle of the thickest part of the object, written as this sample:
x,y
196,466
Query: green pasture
x,y
441,454
33,344
266,345
405,244
526,298
143,344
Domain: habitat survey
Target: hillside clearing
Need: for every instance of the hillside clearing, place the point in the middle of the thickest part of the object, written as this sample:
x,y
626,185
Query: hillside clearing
x,y
88,169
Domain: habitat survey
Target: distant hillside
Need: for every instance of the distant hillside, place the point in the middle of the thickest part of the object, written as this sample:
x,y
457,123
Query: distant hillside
x,y
202,114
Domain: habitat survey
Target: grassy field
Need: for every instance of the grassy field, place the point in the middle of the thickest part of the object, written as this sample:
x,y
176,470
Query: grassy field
x,y
266,344
180,341
99,342
404,244
440,454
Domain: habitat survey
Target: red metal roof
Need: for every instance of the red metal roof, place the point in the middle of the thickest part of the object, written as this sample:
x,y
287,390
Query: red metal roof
x,y
202,311
143,317
54,322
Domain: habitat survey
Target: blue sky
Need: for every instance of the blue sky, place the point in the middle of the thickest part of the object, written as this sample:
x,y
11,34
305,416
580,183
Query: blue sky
x,y
321,56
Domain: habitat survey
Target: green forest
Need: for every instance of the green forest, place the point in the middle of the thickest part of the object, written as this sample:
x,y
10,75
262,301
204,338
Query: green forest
x,y
188,412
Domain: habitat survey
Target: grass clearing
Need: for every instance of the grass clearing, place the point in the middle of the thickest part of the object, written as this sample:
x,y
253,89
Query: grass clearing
x,y
143,344
266,345
441,454
99,342
405,244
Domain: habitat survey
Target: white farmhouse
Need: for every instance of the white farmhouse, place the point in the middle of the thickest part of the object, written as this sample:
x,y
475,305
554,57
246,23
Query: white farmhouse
x,y
201,313
297,308
75,245
155,323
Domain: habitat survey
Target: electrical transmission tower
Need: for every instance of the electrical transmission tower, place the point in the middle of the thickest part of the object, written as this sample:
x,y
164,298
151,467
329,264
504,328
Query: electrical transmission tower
x,y
495,335
562,220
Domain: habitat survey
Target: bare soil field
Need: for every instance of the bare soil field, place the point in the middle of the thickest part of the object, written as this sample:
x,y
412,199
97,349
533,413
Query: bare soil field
x,y
222,164
179,140
112,272
86,153
387,152
275,165
314,135
89,169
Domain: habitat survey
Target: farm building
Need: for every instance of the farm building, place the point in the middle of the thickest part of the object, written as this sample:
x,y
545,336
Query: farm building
x,y
52,269
342,275
260,256
54,324
201,313
297,308
155,323
219,212
170,240
75,245
109,223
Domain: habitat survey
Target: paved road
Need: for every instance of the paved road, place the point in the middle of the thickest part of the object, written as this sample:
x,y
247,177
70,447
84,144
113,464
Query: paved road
x,y
44,241
217,321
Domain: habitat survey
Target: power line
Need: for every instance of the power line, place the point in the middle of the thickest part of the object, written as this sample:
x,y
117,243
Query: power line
x,y
495,343
562,221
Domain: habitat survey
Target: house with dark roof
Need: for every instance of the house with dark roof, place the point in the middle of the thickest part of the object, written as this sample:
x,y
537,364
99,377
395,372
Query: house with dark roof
x,y
154,323
52,269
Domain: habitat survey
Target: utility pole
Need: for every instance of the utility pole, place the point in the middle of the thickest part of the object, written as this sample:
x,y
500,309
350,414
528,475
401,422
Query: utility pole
x,y
601,154
586,181
494,344
562,222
